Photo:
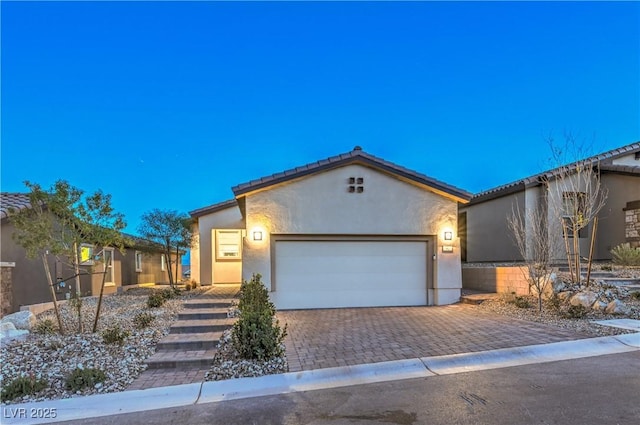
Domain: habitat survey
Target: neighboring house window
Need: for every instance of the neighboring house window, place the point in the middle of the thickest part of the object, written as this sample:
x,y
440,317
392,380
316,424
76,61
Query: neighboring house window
x,y
228,244
163,263
86,254
138,261
573,208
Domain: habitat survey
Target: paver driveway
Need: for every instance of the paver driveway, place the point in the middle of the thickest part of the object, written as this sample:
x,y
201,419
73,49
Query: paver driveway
x,y
349,336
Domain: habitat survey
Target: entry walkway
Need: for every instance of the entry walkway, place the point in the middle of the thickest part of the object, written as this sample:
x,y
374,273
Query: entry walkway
x,y
344,337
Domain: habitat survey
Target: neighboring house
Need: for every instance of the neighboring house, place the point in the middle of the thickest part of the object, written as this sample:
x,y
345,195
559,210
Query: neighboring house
x,y
24,281
351,230
483,221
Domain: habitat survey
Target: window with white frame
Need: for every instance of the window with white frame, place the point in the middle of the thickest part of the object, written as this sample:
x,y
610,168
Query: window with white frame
x,y
228,244
138,261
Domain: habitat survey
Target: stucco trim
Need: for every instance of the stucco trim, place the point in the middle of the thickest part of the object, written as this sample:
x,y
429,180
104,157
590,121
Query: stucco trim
x,y
430,259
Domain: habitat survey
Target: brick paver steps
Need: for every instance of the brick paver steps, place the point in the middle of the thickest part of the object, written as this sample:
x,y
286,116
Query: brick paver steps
x,y
185,354
201,325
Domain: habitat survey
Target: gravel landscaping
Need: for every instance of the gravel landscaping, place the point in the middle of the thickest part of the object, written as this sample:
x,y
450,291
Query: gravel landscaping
x,y
54,357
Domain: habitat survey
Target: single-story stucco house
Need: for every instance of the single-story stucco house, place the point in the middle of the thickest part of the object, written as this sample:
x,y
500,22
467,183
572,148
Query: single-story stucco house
x,y
352,230
483,221
24,281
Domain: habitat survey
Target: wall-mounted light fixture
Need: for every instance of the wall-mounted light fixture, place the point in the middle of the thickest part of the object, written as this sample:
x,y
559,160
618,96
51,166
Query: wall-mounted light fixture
x,y
448,235
257,235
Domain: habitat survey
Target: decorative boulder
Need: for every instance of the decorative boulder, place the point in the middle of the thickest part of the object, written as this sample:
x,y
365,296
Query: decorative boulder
x,y
564,295
8,332
599,305
586,299
21,320
616,307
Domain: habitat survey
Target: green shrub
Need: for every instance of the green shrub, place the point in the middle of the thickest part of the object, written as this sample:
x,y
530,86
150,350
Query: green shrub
x,y
554,302
625,255
576,312
21,386
84,378
114,335
257,334
521,302
45,327
143,319
156,299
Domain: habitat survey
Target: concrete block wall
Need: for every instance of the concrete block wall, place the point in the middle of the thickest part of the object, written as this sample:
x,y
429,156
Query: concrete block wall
x,y
503,280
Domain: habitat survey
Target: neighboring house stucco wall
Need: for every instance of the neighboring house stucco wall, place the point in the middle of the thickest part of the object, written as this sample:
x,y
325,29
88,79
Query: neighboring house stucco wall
x,y
321,205
611,224
488,237
205,269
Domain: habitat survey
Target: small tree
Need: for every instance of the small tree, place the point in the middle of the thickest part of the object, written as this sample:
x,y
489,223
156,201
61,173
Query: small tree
x,y
171,230
531,235
59,221
577,195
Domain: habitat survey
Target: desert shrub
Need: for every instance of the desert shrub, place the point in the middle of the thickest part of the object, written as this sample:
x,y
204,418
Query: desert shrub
x,y
156,299
553,302
169,293
21,386
625,255
143,319
576,312
187,287
257,334
114,335
521,302
84,378
606,268
194,284
45,327
635,295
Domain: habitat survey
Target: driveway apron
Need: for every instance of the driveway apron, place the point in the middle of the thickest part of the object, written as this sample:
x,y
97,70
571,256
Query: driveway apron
x,y
349,336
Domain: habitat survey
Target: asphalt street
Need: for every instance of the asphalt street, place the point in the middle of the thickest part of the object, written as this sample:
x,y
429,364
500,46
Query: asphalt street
x,y
595,390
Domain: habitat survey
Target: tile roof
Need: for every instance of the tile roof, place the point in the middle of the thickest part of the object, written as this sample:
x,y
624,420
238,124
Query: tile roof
x,y
213,208
603,160
358,156
16,201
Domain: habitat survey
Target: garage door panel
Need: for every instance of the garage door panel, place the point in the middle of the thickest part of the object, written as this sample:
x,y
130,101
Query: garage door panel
x,y
325,274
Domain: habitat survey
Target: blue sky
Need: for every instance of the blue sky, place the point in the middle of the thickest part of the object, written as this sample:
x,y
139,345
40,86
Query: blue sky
x,y
168,105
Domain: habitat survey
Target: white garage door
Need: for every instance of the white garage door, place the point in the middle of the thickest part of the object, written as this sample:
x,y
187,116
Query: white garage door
x,y
329,274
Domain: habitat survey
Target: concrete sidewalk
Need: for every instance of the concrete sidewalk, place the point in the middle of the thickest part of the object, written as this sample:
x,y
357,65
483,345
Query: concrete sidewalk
x,y
210,392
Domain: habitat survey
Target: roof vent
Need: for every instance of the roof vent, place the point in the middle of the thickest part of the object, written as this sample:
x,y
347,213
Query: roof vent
x,y
357,148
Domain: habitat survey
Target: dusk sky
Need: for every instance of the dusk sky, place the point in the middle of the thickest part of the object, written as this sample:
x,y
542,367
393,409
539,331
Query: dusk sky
x,y
170,104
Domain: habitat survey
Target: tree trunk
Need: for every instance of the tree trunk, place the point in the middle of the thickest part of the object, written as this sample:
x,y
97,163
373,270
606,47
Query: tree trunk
x,y
177,261
593,242
104,278
565,236
76,268
53,292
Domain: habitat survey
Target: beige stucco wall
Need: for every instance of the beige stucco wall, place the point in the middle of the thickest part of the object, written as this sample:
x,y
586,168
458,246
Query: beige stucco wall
x,y
321,205
627,160
204,267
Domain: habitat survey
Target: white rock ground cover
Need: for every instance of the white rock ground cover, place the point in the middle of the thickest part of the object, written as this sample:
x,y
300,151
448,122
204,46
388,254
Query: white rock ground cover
x,y
53,356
